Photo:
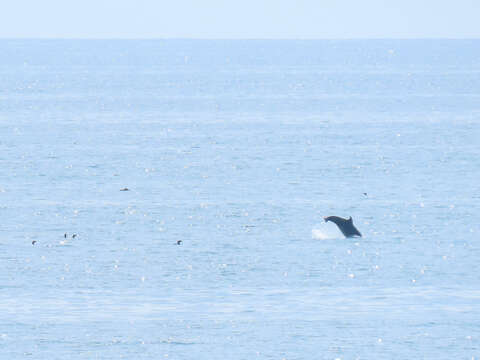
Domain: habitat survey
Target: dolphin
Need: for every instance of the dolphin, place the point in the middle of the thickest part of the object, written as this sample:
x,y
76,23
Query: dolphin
x,y
345,225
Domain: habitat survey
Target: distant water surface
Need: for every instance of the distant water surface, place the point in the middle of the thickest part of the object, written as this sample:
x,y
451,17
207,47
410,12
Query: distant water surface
x,y
239,148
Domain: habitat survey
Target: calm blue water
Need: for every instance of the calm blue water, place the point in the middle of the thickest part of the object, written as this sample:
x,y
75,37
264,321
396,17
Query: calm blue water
x,y
239,148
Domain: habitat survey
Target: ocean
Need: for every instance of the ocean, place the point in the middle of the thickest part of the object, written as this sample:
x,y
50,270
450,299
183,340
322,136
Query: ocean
x,y
239,149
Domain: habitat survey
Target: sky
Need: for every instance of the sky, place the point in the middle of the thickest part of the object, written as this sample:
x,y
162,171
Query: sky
x,y
245,19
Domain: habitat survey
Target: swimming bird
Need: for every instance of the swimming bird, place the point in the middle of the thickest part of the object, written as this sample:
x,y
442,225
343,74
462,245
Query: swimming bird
x,y
345,225
179,242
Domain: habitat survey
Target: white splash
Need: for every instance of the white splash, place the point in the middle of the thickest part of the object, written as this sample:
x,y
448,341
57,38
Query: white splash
x,y
326,231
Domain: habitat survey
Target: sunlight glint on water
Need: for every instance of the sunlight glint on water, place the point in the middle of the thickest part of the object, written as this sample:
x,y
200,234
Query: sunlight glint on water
x,y
239,153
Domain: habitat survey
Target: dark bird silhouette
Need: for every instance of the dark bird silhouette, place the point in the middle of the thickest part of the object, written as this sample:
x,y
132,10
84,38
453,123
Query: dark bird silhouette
x,y
33,242
179,242
345,225
74,236
65,235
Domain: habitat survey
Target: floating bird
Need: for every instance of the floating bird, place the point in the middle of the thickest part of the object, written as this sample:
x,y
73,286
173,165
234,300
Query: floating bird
x,y
179,242
74,236
65,235
33,242
345,225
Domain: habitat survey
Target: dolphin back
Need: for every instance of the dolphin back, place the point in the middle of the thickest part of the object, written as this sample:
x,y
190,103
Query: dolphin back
x,y
345,225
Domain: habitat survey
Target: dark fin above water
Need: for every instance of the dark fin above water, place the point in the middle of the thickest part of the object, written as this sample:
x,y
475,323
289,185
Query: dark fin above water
x,y
345,225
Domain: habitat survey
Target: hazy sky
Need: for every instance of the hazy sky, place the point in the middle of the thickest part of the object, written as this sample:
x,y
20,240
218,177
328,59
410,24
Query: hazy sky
x,y
298,19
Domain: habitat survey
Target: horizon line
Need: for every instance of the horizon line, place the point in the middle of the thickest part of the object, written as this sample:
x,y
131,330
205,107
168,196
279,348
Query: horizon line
x,y
239,39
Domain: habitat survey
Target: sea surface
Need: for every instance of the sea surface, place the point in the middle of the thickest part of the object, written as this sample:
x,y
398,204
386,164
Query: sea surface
x,y
239,149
